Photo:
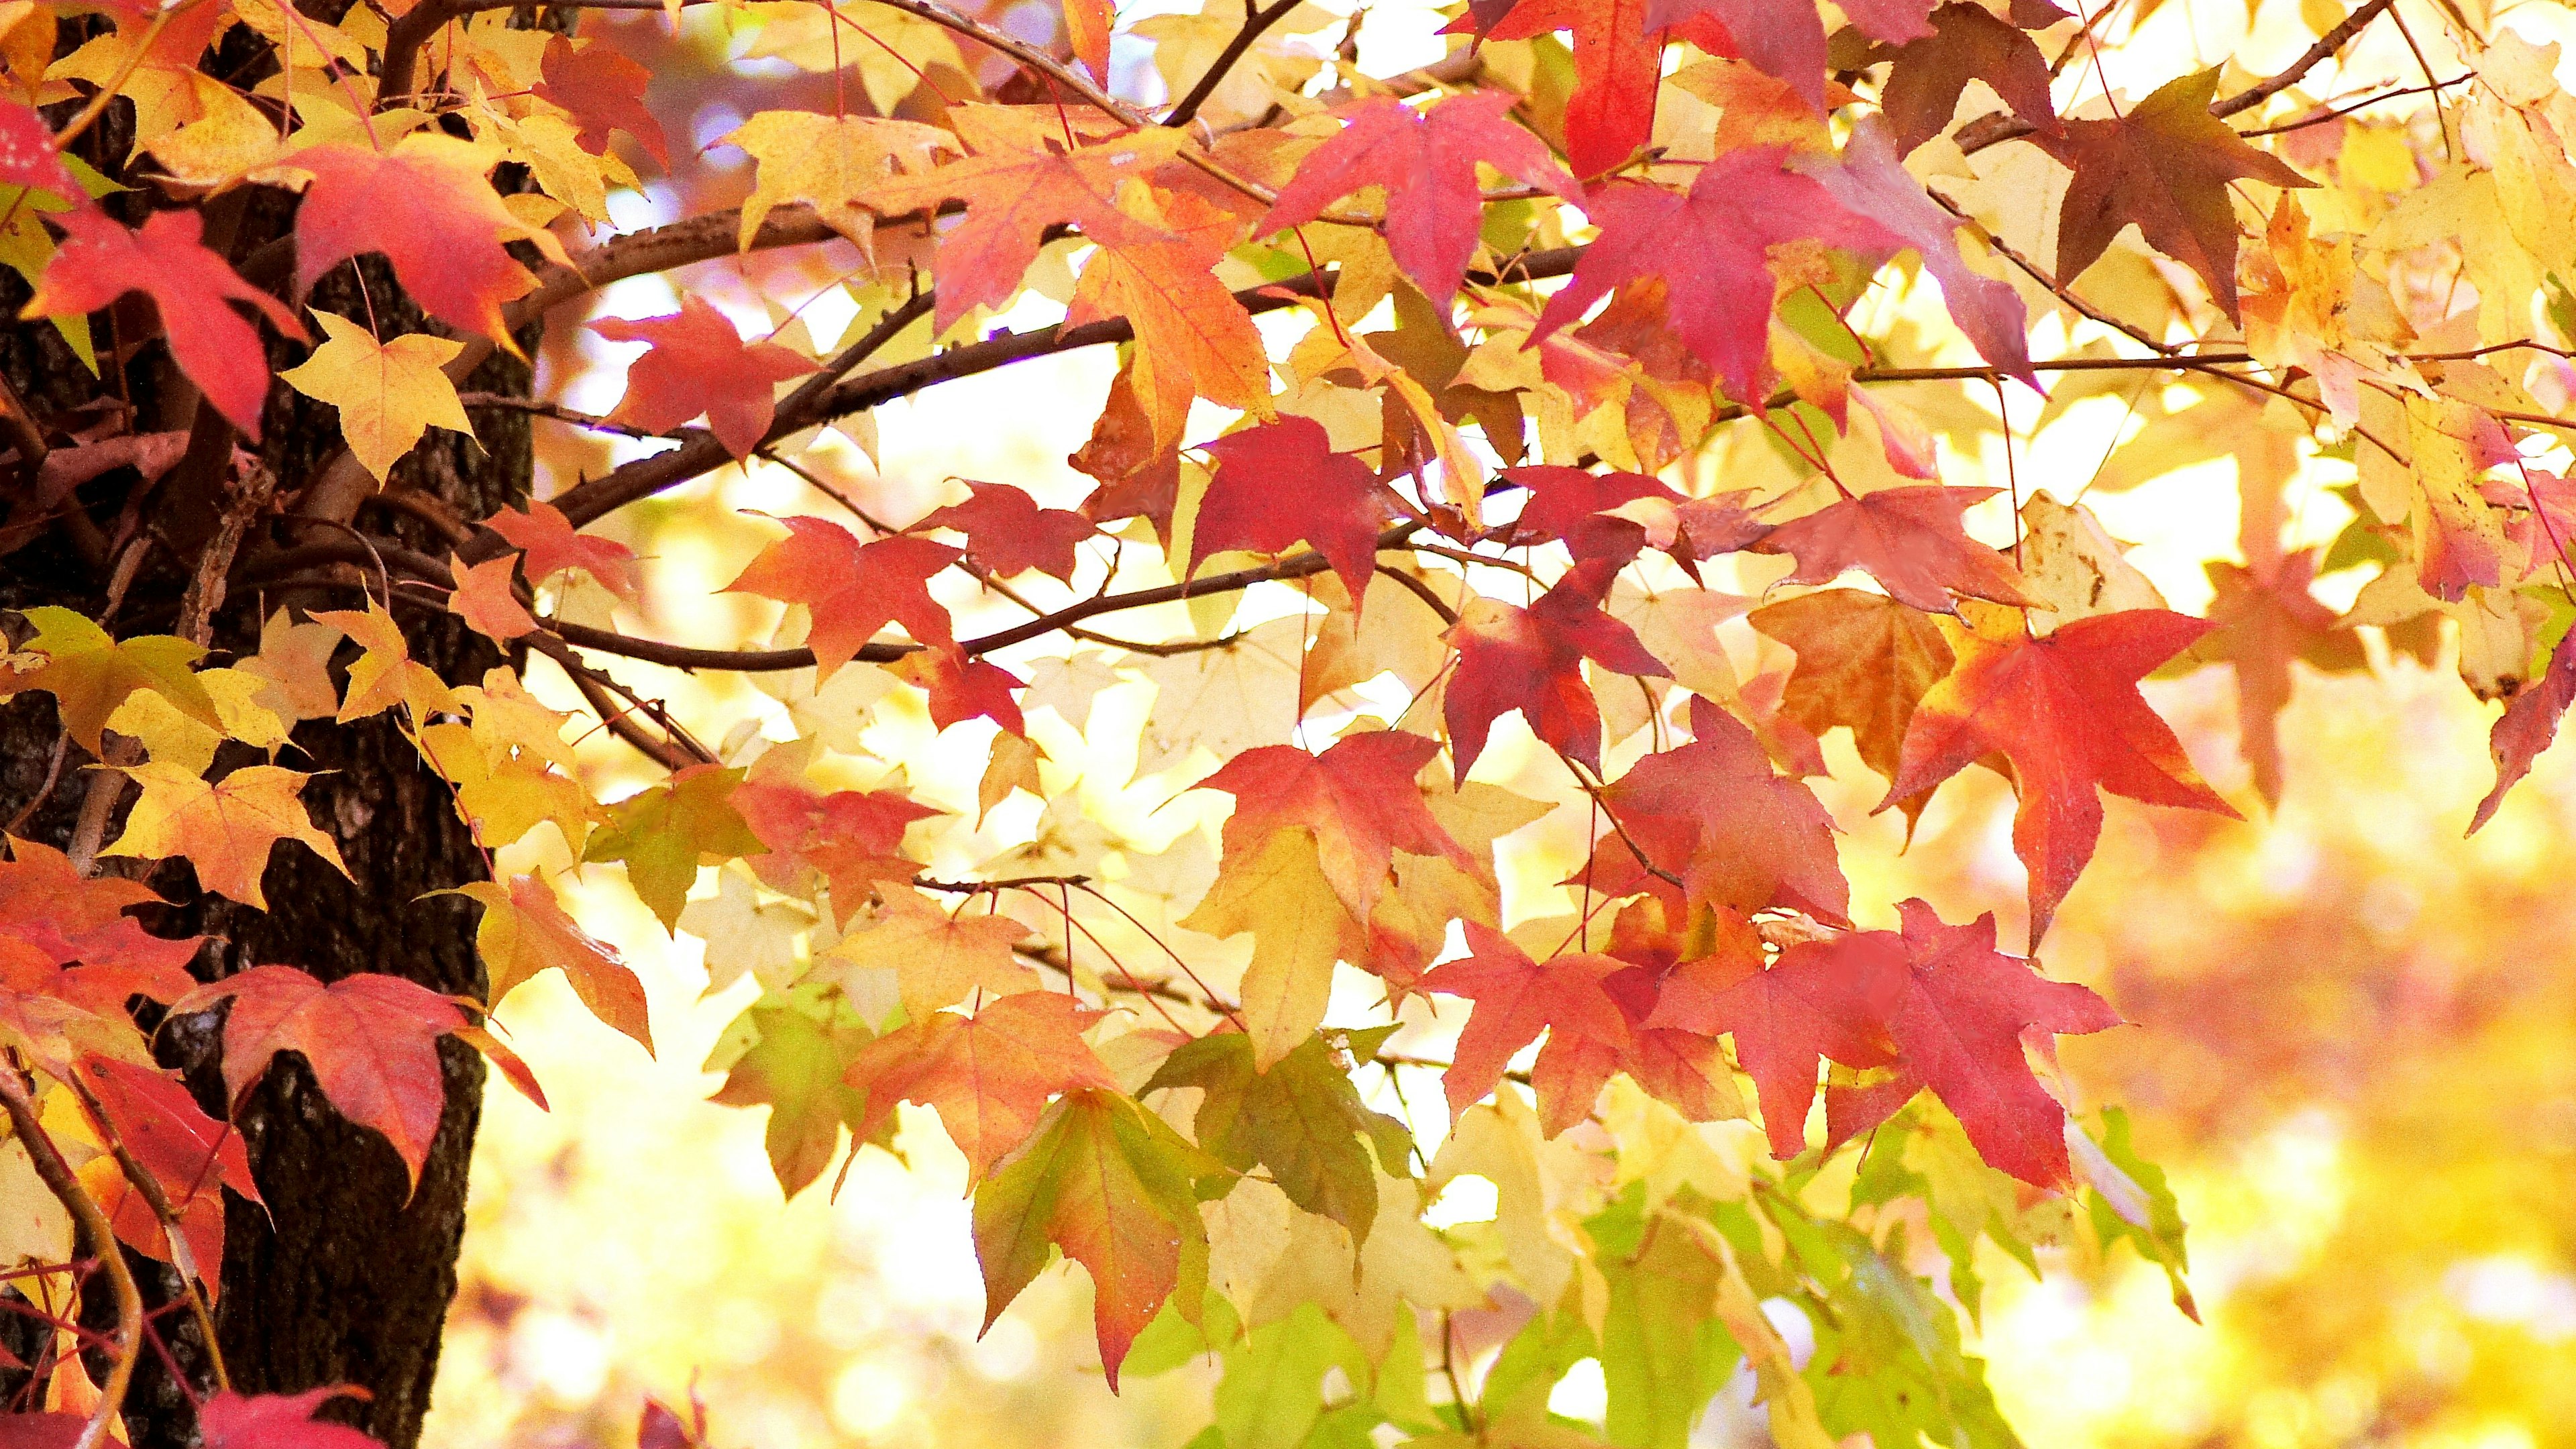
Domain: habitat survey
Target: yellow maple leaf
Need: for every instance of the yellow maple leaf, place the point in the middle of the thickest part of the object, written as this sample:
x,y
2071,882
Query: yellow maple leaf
x,y
224,827
386,675
824,161
938,959
1281,896
90,673
388,393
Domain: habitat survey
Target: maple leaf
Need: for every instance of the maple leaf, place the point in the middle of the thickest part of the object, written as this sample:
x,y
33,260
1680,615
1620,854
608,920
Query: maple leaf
x,y
1573,506
700,364
1009,534
228,1420
191,1156
939,959
1280,483
1531,660
79,922
1426,162
2528,726
525,931
386,675
1281,895
482,598
1301,1118
1819,1000
1112,1186
294,661
1617,64
423,202
664,833
388,393
787,1053
2264,619
191,287
156,1119
1909,539
1712,814
552,545
1786,41
1864,660
1358,798
1516,999
1966,43
1020,181
225,828
2065,710
851,838
1958,1012
988,1075
1712,247
29,155
1870,180
826,162
91,674
962,688
371,1041
853,588
2165,166
604,90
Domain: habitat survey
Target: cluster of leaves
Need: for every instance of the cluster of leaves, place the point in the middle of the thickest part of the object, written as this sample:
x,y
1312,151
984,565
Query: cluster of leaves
x,y
1435,545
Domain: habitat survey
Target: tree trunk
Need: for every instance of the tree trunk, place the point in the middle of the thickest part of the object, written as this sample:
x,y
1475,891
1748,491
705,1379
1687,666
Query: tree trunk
x,y
344,1279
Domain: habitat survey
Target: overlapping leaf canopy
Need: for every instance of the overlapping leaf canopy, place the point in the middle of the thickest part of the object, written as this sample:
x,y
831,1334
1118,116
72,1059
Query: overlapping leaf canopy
x,y
1564,439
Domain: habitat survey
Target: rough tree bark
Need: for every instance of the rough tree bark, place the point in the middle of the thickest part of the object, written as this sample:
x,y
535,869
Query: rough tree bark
x,y
346,1278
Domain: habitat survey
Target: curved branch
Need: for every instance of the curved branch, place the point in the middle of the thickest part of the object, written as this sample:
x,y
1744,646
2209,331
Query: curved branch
x,y
645,477
59,1180
1256,23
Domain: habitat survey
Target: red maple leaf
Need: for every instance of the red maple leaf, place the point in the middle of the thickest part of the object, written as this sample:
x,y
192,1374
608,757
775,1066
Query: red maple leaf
x,y
1531,660
426,206
1022,179
700,364
553,545
29,157
1958,1012
1711,246
1618,62
1781,38
371,1040
2528,726
278,1421
1568,506
1516,999
988,1075
1426,161
1009,534
1713,815
853,588
1870,180
1819,1000
192,288
1909,539
850,837
1282,482
1358,797
962,687
2065,710
79,922
604,90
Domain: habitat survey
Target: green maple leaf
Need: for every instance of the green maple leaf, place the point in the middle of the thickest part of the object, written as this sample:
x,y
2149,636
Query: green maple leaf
x,y
1302,1119
664,834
